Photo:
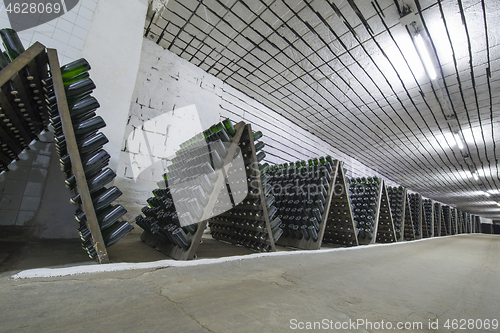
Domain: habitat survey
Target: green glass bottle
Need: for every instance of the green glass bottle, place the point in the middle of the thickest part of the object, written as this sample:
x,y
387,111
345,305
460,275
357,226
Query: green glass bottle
x,y
79,88
11,42
77,78
4,60
75,68
229,127
257,135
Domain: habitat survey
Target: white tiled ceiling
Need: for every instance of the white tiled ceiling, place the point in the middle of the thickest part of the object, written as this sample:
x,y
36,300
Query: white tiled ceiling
x,y
348,71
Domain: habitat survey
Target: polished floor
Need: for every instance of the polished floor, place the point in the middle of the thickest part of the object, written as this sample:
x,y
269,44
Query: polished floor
x,y
423,285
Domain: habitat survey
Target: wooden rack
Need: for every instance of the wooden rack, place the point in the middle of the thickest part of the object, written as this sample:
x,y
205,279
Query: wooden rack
x,y
454,220
459,218
415,200
409,229
76,162
24,115
384,231
223,226
427,219
339,226
176,252
439,224
310,244
397,203
477,221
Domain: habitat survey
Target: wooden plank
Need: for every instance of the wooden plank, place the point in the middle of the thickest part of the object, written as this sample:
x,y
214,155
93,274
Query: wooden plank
x,y
20,62
76,163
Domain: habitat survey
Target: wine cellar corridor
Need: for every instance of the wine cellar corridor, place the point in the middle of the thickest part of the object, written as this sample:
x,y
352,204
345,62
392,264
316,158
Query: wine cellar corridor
x,y
249,165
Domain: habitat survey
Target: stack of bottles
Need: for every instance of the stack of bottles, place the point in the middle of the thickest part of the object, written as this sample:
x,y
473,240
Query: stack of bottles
x,y
415,209
161,220
86,125
22,114
447,220
301,189
439,229
187,187
396,199
339,227
247,223
428,218
363,194
453,221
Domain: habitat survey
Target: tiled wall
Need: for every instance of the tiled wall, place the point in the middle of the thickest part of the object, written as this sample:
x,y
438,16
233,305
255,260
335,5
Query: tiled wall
x,y
66,33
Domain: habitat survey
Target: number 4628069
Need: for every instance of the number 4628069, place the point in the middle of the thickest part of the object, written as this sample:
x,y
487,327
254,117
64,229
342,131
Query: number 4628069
x,y
33,8
471,324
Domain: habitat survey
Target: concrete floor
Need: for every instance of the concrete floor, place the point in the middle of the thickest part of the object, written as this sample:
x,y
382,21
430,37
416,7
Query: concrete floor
x,y
438,279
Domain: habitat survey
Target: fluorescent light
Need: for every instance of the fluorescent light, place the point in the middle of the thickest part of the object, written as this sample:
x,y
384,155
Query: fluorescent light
x,y
459,142
424,56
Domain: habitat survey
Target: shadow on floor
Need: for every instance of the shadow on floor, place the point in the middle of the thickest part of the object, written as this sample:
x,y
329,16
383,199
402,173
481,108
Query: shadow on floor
x,y
25,254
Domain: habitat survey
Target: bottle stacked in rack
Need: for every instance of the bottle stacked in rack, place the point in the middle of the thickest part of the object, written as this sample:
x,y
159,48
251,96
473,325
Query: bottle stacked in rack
x,y
161,219
301,190
429,216
447,220
86,125
364,193
438,231
23,115
396,199
188,187
253,223
415,210
453,221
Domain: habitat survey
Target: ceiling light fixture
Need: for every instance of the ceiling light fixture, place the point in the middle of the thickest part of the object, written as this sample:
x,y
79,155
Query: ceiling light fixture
x,y
424,56
475,175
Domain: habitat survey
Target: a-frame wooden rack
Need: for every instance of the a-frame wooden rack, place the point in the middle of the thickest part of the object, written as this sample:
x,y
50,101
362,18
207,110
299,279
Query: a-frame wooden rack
x,y
255,233
401,215
77,169
331,207
384,230
415,201
176,252
23,110
409,227
437,219
339,226
427,218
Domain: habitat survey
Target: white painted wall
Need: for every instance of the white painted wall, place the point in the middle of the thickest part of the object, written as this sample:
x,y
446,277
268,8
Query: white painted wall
x,y
113,48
